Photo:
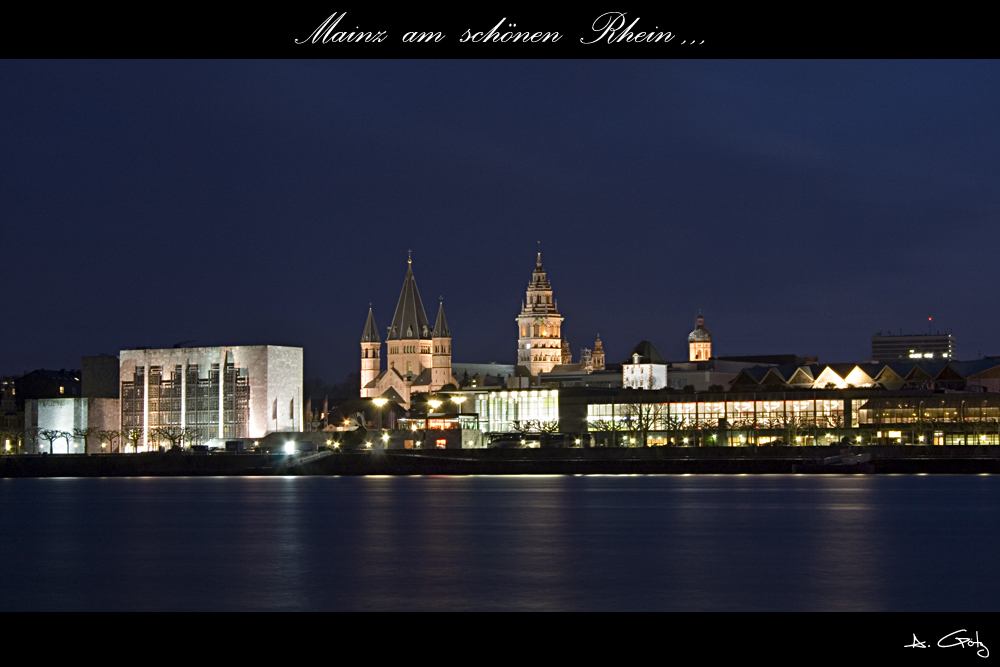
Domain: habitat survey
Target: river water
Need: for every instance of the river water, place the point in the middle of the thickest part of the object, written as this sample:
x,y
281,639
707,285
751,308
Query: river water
x,y
782,542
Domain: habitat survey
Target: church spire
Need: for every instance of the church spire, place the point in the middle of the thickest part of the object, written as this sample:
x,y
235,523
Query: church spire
x,y
441,324
370,334
410,320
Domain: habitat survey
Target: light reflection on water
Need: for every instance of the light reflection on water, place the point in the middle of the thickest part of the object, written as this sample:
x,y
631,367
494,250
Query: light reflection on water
x,y
778,542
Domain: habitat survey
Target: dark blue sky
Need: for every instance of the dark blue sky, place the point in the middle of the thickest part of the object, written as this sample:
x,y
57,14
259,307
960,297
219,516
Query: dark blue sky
x,y
802,205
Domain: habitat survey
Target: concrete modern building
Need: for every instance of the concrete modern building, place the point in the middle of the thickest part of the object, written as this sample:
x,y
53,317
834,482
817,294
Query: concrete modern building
x,y
925,347
219,392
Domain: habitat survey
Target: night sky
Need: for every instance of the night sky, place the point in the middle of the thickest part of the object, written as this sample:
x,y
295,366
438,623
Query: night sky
x,y
803,206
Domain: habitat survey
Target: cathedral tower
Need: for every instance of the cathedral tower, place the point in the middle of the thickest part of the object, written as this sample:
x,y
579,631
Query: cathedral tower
x,y
700,341
441,338
371,347
539,346
409,337
598,354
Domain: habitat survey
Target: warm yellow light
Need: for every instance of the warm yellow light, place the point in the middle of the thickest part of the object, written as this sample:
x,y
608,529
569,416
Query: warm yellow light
x,y
458,399
368,444
255,443
380,401
329,442
385,437
435,404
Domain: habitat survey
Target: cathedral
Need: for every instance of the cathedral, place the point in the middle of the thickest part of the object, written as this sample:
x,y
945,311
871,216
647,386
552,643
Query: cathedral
x,y
539,347
419,356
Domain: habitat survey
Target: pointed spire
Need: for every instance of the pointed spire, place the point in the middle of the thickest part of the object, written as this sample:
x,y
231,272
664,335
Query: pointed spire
x,y
538,263
441,325
410,320
370,334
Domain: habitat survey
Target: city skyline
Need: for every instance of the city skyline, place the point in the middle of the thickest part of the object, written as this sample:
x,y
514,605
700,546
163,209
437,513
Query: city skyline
x,y
802,207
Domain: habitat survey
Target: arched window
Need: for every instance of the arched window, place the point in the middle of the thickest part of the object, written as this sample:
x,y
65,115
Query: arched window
x,y
535,328
544,332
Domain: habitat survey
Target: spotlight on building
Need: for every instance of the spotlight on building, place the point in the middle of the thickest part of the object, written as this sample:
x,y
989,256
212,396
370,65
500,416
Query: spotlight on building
x,y
289,447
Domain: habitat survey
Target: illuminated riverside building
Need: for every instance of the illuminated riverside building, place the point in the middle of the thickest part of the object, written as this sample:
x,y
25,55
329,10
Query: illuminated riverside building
x,y
418,355
539,344
616,417
218,392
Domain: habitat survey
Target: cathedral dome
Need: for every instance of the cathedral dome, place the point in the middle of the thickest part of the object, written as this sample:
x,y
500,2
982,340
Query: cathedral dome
x,y
700,333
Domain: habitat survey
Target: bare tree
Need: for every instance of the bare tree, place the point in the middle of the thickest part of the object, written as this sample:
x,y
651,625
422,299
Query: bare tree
x,y
133,435
52,435
640,419
548,426
85,434
29,439
176,435
111,438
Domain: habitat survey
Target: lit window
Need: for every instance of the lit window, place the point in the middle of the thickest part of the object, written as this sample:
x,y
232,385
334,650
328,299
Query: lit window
x,y
62,390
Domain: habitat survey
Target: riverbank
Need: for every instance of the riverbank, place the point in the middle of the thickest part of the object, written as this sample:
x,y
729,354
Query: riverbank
x,y
610,461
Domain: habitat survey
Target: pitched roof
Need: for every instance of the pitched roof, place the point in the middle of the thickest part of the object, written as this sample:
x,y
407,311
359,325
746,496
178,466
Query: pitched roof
x,y
410,320
370,334
648,354
441,324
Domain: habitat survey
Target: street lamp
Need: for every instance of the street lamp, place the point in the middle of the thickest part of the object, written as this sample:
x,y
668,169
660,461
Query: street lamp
x,y
434,403
379,402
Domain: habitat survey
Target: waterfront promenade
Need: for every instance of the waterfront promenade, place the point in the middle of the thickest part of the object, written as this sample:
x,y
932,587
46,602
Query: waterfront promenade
x,y
653,460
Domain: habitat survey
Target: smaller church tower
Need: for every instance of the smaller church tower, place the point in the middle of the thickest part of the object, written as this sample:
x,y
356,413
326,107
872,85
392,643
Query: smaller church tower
x,y
700,342
371,347
567,354
597,355
441,340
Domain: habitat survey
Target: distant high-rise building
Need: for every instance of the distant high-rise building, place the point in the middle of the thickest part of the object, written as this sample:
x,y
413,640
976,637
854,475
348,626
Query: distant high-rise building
x,y
937,347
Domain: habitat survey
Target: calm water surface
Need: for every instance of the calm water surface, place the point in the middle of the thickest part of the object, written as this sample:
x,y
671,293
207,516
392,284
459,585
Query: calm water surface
x,y
513,543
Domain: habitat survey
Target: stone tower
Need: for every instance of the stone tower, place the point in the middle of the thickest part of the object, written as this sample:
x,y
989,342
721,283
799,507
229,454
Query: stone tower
x,y
371,348
441,338
567,354
598,354
539,346
409,337
700,341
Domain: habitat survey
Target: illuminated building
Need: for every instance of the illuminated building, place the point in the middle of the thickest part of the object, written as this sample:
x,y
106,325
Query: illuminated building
x,y
419,356
645,368
700,342
539,345
218,392
930,347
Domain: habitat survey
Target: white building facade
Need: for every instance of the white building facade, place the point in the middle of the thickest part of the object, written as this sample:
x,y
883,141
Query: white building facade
x,y
219,392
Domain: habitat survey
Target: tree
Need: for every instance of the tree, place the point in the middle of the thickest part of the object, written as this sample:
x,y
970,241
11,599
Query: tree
x,y
607,426
133,435
176,435
641,418
29,439
52,435
110,438
85,434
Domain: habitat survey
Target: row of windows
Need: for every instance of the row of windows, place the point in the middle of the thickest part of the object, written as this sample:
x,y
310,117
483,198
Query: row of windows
x,y
540,330
412,349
